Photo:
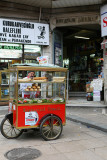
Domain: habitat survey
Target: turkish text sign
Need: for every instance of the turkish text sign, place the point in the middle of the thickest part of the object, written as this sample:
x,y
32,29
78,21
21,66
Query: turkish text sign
x,y
12,31
104,20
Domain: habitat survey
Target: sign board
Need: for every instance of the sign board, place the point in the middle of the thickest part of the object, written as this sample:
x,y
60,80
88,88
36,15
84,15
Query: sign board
x,y
104,21
10,50
23,32
97,84
77,20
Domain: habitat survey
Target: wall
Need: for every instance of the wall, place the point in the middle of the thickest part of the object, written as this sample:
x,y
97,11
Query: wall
x,y
105,75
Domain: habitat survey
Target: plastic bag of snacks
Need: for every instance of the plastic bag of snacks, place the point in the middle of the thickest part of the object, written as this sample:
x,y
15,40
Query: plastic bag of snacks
x,y
42,60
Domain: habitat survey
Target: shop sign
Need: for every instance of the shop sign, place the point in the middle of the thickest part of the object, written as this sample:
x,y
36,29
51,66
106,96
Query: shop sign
x,y
78,20
10,50
104,20
12,31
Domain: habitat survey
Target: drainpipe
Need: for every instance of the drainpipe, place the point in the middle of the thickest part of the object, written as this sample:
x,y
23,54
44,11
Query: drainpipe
x,y
40,15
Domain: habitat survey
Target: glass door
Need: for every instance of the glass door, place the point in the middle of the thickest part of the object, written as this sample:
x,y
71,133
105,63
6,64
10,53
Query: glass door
x,y
4,85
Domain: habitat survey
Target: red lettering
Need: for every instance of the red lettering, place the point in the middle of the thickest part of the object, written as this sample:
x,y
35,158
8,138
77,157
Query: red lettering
x,y
105,22
30,119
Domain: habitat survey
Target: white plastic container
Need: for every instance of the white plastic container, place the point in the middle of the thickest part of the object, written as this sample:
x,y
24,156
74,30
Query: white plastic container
x,y
96,98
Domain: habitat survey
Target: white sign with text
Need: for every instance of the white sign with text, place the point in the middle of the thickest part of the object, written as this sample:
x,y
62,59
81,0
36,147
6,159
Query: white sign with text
x,y
104,21
23,32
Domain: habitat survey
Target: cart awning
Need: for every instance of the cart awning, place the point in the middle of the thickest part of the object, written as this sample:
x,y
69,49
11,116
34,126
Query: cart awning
x,y
104,44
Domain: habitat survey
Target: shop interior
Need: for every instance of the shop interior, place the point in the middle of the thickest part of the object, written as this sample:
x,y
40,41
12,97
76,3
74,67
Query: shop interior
x,y
12,54
82,55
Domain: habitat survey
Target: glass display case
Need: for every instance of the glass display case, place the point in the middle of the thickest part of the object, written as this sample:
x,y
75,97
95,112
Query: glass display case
x,y
37,84
4,85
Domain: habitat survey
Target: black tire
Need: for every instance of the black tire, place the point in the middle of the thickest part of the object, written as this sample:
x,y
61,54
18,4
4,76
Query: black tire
x,y
8,130
51,128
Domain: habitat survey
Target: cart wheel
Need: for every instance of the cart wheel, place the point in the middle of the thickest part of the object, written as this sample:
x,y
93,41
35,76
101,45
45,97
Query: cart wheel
x,y
51,128
8,130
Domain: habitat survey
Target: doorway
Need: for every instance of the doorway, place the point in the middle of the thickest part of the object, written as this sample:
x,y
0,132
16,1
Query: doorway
x,y
82,55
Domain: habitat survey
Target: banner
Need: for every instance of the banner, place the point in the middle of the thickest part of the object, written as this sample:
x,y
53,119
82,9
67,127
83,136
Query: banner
x,y
12,31
104,21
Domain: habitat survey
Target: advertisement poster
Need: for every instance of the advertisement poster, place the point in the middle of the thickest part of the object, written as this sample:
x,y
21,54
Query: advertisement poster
x,y
43,60
58,54
31,118
58,48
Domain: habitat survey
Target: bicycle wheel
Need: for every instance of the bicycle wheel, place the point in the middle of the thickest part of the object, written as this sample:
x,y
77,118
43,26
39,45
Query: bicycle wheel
x,y
8,130
51,128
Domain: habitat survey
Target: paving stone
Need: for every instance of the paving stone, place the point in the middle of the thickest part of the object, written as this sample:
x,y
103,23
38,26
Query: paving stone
x,y
82,155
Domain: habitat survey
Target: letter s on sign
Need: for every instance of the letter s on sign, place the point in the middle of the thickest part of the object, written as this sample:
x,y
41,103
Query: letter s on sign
x,y
105,22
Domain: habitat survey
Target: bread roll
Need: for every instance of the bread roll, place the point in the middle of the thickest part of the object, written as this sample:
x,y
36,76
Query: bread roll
x,y
31,89
40,78
26,89
38,87
34,87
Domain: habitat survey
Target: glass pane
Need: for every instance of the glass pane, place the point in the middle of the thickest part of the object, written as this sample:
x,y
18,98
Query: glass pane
x,y
41,87
4,77
13,85
4,92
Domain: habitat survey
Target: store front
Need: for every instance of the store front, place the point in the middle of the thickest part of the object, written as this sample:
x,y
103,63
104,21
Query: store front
x,y
84,58
11,53
82,55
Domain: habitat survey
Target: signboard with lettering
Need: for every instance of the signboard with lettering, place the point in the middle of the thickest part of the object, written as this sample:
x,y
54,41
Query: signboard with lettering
x,y
12,31
10,50
104,20
78,20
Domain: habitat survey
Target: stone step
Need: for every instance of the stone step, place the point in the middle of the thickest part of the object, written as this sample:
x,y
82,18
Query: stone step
x,y
77,94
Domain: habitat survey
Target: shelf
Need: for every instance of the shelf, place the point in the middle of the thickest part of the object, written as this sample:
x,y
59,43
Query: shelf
x,y
4,84
27,104
41,82
5,95
41,91
5,98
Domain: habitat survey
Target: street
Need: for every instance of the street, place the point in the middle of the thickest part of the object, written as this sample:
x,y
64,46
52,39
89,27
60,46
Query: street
x,y
3,110
77,142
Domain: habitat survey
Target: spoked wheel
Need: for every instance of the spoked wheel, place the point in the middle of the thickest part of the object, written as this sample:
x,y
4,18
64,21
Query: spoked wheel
x,y
8,130
51,128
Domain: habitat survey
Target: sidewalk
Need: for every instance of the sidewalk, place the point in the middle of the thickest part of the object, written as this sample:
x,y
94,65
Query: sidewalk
x,y
82,102
89,113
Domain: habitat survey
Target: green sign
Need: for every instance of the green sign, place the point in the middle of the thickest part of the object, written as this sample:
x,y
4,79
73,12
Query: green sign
x,y
10,47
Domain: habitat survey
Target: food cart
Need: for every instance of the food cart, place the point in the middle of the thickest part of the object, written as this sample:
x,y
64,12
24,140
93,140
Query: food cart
x,y
37,100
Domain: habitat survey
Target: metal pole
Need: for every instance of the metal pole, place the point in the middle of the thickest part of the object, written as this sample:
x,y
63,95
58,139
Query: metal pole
x,y
22,53
67,84
23,73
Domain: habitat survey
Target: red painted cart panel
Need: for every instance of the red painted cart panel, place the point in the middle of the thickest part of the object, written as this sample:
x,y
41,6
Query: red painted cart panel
x,y
29,116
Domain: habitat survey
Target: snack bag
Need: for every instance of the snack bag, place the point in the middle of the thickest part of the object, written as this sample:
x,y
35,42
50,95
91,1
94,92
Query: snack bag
x,y
42,60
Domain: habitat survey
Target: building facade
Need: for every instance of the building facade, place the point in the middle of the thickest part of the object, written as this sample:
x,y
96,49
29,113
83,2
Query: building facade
x,y
66,20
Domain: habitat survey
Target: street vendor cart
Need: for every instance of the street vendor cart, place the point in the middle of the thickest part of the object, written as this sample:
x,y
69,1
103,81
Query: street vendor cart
x,y
37,100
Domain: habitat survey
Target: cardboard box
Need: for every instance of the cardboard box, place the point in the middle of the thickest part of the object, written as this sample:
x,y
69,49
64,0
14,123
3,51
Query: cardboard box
x,y
89,89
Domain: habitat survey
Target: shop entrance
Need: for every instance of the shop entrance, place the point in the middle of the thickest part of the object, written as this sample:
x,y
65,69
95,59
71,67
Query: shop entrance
x,y
83,56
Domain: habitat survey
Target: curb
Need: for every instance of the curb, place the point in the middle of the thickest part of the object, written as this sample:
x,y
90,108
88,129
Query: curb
x,y
87,123
86,106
